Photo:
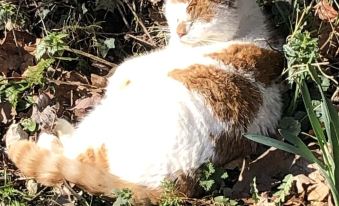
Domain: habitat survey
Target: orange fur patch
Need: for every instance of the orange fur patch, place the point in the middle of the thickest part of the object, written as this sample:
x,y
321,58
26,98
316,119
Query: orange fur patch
x,y
231,97
97,158
267,65
203,9
50,168
35,162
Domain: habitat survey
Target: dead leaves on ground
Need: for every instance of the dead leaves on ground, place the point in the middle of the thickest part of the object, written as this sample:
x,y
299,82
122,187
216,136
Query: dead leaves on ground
x,y
325,11
309,186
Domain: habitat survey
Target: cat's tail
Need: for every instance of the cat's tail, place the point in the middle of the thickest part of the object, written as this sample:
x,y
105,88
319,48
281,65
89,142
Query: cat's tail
x,y
51,168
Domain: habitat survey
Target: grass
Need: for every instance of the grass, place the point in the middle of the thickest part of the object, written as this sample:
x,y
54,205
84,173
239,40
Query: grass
x,y
305,70
89,39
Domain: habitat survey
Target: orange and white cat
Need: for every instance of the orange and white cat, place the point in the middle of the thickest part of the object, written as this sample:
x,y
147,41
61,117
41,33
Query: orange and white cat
x,y
167,112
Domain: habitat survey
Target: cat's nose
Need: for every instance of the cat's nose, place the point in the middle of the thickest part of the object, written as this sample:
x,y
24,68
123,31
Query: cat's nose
x,y
181,29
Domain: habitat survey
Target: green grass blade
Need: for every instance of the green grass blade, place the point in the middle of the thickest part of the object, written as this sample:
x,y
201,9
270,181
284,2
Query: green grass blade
x,y
300,145
317,128
279,145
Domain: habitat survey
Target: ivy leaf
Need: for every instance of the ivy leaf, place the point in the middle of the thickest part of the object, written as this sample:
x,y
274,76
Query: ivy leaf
x,y
28,124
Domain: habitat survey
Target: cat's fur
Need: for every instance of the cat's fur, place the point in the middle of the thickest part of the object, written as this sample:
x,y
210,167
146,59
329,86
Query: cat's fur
x,y
197,22
166,113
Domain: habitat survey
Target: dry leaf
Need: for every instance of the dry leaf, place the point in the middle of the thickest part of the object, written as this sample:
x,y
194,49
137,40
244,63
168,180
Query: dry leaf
x,y
46,118
318,192
82,105
325,11
32,187
98,81
302,182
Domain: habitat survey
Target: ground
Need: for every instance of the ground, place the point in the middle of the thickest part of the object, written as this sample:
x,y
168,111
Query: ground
x,y
72,77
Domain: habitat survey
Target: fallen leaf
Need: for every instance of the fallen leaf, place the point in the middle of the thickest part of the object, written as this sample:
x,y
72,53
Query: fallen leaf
x,y
302,182
318,192
98,81
82,105
46,118
325,11
32,187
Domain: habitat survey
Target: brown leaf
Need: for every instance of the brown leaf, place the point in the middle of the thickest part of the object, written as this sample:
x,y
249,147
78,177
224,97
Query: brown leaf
x,y
318,192
82,105
46,118
87,102
325,11
302,182
98,81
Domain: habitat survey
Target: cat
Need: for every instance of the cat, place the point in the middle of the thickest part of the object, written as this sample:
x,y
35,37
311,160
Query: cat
x,y
201,22
167,112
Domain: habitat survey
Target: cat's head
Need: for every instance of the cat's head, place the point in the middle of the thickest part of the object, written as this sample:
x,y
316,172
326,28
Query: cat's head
x,y
197,22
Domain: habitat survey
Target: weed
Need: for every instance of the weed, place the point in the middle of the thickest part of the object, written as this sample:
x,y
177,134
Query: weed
x,y
169,195
302,55
254,190
284,189
10,196
124,198
9,17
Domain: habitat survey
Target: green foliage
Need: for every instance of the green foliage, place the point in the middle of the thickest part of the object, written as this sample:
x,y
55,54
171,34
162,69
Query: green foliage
x,y
28,124
124,198
301,49
302,55
284,189
9,195
224,201
169,195
206,180
105,46
34,75
13,91
52,44
9,18
254,190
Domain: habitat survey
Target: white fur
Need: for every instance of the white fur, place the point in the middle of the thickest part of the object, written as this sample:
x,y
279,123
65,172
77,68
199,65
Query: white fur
x,y
151,124
246,23
155,126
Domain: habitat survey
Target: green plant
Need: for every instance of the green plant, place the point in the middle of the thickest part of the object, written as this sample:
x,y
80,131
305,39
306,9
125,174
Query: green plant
x,y
254,191
284,189
169,195
9,17
224,201
211,175
124,198
304,70
52,44
9,195
12,91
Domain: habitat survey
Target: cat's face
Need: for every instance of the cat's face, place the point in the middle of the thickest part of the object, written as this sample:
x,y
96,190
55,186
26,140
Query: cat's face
x,y
197,22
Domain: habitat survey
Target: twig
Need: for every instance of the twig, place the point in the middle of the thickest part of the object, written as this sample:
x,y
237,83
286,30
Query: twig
x,y
74,193
59,82
140,40
91,56
140,23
